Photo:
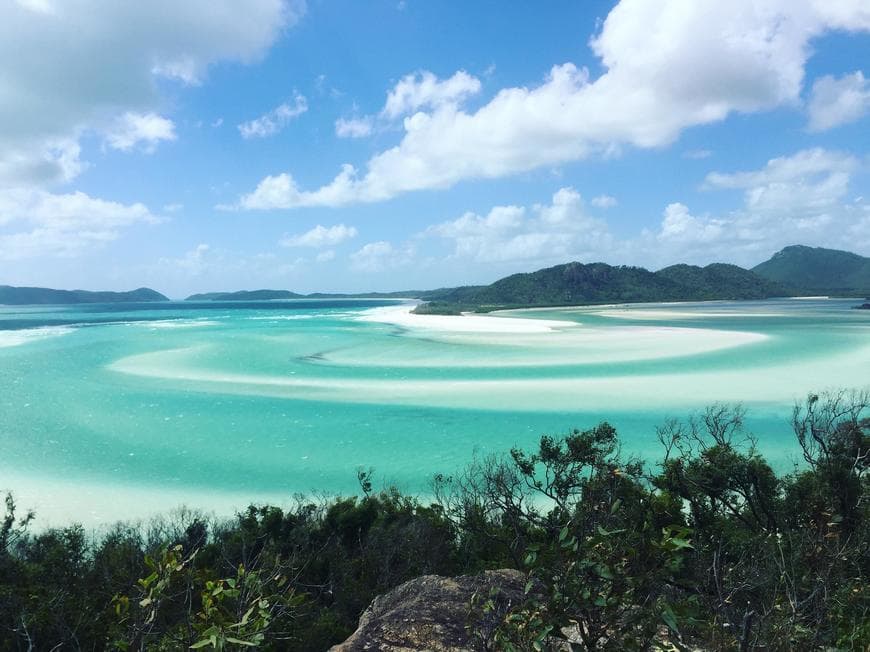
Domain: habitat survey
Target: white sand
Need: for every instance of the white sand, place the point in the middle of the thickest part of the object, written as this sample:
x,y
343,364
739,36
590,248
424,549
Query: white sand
x,y
95,503
651,314
465,323
778,382
171,324
17,338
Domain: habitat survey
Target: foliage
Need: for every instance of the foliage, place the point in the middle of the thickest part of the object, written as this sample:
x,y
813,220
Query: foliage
x,y
709,549
815,270
576,283
26,296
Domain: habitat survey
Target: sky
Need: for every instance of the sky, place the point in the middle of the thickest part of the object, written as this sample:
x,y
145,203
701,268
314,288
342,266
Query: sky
x,y
336,145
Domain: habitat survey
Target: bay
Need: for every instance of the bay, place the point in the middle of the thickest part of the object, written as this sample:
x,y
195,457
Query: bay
x,y
124,410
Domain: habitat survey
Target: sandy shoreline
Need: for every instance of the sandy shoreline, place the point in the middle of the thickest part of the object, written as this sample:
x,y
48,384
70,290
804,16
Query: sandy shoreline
x,y
57,501
465,323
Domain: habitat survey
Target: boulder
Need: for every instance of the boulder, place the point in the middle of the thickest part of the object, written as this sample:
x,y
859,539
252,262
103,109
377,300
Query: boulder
x,y
440,614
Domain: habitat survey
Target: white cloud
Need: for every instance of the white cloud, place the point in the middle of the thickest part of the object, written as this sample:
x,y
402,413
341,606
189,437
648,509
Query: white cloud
x,y
81,67
835,102
354,127
173,208
697,154
804,183
801,198
321,236
679,226
281,191
194,262
140,129
604,201
103,61
38,223
325,256
548,233
56,161
380,256
424,90
275,120
668,66
212,268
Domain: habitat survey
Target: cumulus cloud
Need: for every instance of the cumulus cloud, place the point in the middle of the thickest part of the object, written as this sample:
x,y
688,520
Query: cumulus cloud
x,y
321,236
380,256
275,120
354,127
207,268
545,233
802,197
667,66
835,102
793,199
424,90
105,60
604,201
38,223
325,256
144,130
102,76
53,160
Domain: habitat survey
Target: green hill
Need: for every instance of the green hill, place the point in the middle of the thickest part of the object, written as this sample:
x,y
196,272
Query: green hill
x,y
576,283
245,295
18,296
720,281
814,270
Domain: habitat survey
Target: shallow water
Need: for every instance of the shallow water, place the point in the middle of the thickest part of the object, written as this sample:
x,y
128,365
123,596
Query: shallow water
x,y
118,411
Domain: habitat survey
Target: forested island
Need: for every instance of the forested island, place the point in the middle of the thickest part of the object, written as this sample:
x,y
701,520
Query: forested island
x,y
20,296
795,271
706,548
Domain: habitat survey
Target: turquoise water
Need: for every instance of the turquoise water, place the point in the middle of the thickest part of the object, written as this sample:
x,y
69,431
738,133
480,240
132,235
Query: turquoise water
x,y
109,411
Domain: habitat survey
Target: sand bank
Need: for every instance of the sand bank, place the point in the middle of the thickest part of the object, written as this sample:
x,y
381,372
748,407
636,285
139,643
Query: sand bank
x,y
465,323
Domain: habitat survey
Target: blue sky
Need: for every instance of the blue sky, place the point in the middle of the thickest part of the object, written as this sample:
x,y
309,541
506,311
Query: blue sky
x,y
348,146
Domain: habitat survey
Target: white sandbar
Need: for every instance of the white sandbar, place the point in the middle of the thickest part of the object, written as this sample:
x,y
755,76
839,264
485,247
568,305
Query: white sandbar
x,y
465,323
17,338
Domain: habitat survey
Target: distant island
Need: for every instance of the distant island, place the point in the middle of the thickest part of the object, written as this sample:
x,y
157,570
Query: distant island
x,y
576,283
814,270
797,270
20,296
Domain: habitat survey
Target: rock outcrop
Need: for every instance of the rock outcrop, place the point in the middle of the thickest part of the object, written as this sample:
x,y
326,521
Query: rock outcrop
x,y
440,614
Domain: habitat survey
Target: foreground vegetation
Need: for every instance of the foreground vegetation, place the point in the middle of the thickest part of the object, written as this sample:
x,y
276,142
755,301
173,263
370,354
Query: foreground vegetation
x,y
710,549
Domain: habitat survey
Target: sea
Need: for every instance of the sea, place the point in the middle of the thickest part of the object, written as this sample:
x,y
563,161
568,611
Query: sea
x,y
120,411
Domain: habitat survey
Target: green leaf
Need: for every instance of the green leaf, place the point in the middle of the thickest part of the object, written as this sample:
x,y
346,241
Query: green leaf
x,y
239,641
670,618
244,620
200,644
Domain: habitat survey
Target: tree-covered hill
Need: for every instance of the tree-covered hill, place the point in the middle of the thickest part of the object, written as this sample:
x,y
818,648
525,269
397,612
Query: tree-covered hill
x,y
18,296
720,281
576,283
245,295
814,270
